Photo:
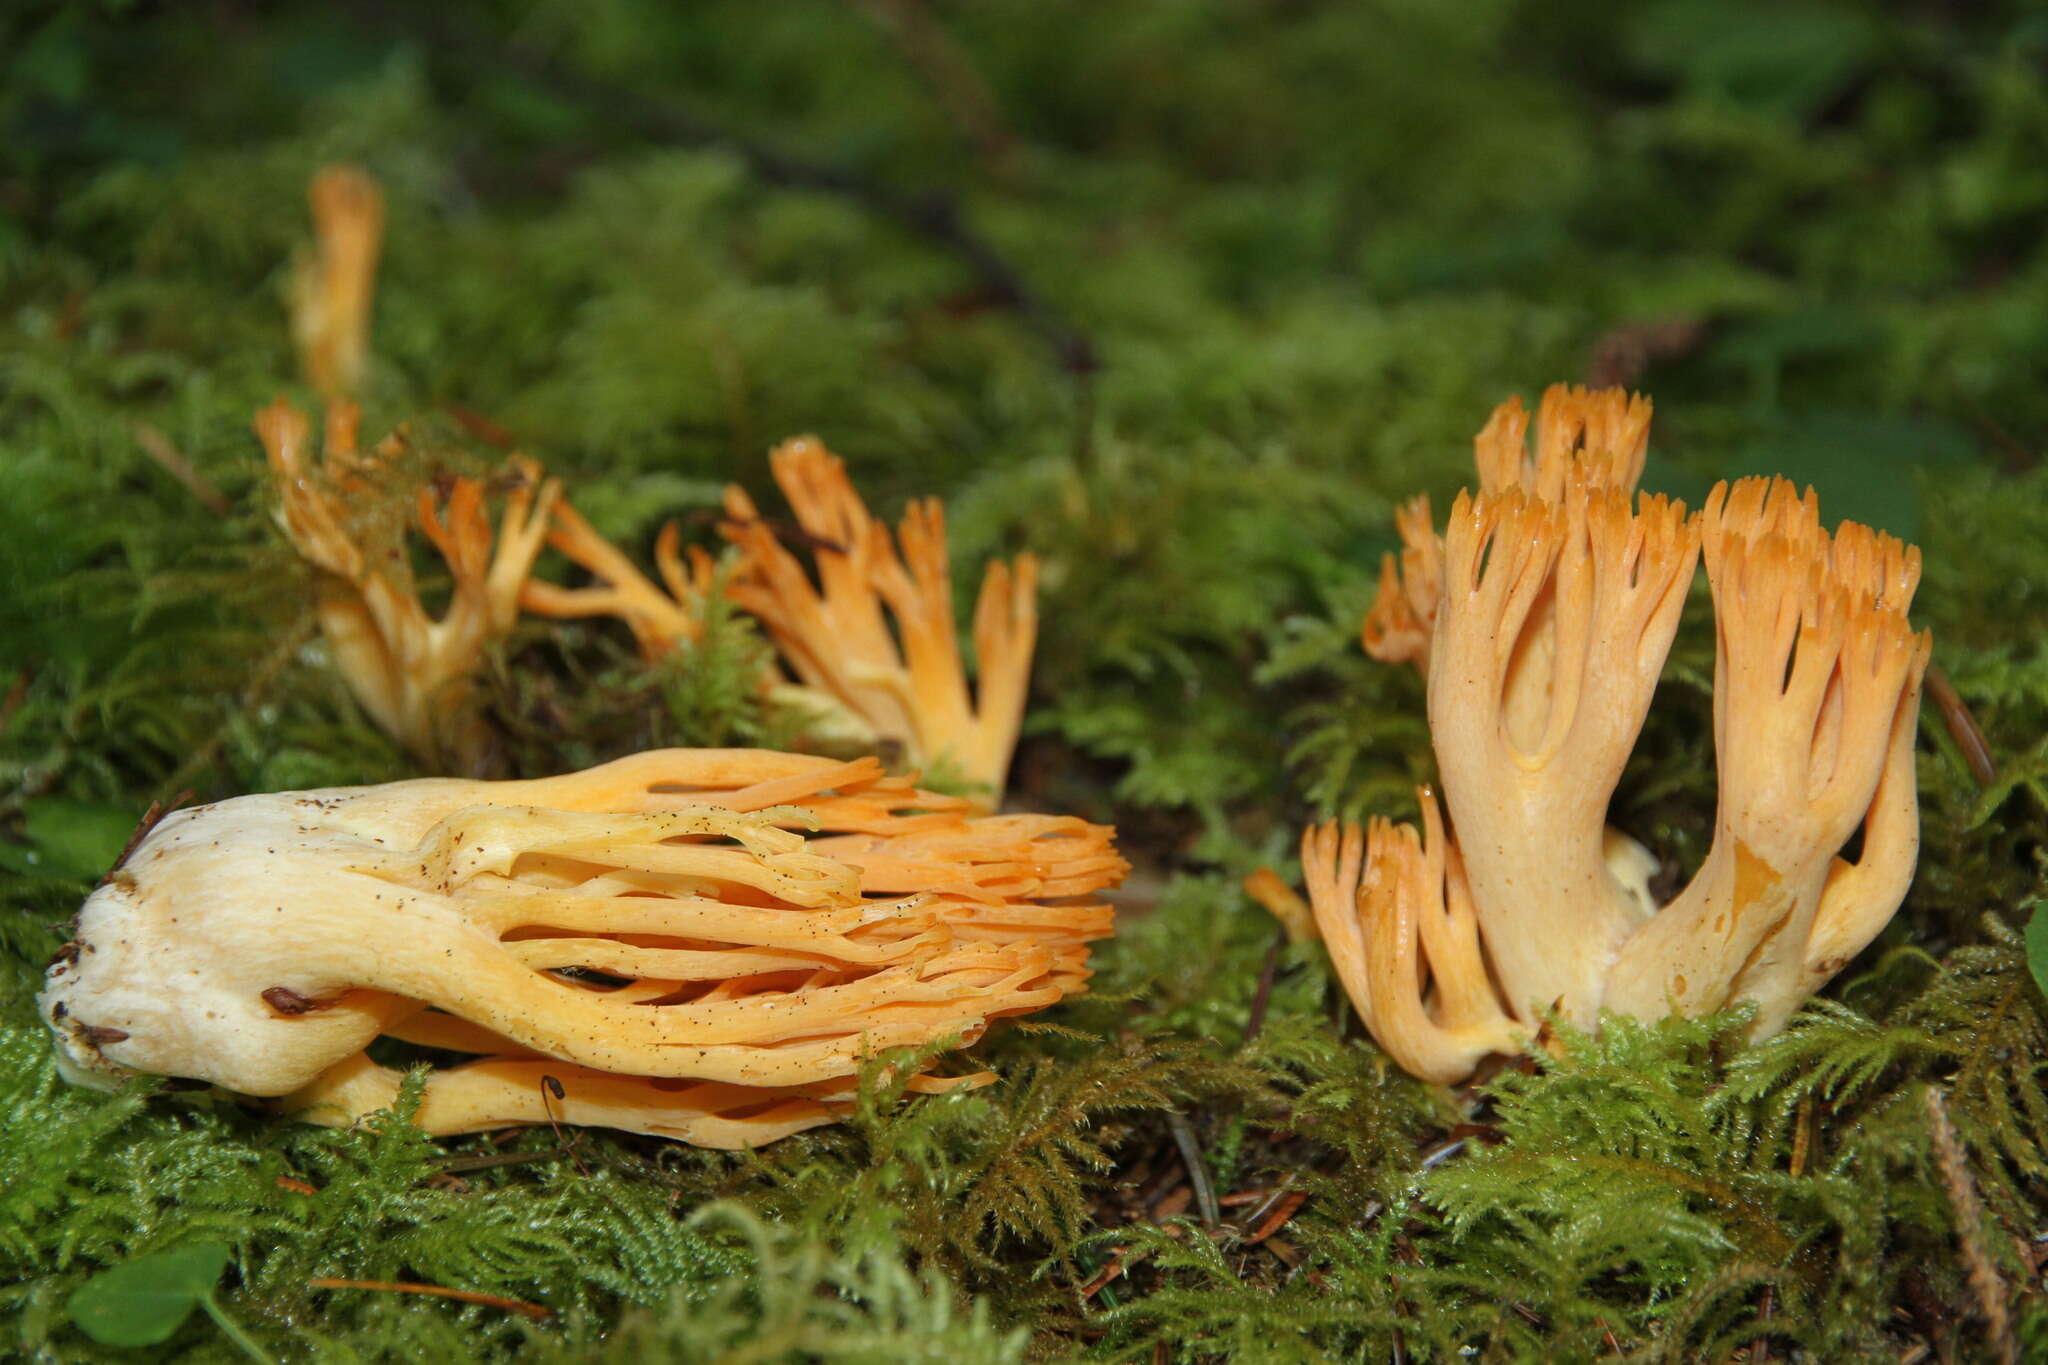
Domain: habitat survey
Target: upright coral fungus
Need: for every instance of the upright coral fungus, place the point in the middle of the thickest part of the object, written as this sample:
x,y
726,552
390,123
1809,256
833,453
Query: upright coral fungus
x,y
1541,619
332,288
908,684
410,671
649,945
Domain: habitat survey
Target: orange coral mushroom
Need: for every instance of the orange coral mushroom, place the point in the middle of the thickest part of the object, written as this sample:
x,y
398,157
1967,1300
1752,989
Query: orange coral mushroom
x,y
908,684
411,672
332,289
1541,618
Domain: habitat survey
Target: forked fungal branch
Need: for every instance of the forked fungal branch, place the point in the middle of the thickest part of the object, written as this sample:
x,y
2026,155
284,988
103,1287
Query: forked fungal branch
x,y
662,618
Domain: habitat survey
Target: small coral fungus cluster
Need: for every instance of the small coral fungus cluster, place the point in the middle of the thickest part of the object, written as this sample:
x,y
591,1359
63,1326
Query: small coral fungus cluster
x,y
872,645
650,945
1540,619
705,945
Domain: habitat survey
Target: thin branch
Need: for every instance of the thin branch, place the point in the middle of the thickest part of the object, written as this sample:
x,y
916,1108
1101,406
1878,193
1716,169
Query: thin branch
x,y
1263,996
1198,1173
935,216
1985,1281
942,64
450,1165
1276,1220
159,447
156,812
519,1306
1962,726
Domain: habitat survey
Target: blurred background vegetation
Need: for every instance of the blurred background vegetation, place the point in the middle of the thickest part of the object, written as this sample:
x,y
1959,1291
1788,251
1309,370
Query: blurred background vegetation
x,y
1182,295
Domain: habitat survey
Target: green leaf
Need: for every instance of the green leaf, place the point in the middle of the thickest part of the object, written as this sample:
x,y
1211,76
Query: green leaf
x,y
2037,945
75,839
143,1301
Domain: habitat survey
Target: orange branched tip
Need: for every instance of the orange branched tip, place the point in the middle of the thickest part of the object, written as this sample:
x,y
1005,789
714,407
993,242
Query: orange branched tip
x,y
332,289
662,618
1397,916
1283,903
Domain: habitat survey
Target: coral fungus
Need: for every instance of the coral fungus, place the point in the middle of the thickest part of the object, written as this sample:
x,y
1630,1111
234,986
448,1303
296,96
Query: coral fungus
x,y
649,945
909,685
1541,619
411,672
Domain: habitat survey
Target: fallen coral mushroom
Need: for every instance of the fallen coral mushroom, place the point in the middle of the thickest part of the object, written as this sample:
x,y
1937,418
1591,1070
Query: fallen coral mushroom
x,y
648,945
909,685
411,672
1541,619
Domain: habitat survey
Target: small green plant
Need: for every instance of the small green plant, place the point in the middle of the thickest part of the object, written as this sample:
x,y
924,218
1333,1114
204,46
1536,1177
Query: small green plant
x,y
2037,945
143,1301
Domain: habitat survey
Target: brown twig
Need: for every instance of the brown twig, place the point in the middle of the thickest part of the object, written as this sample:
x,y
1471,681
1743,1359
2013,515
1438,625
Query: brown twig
x,y
519,1306
1962,726
942,64
1198,1174
158,447
1263,996
1985,1281
1278,1218
296,1185
1760,1346
1116,1266
1802,1130
17,693
552,1090
1624,352
934,216
156,812
452,1164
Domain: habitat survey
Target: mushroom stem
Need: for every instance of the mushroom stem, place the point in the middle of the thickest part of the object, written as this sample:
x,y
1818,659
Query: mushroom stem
x,y
1553,626
660,920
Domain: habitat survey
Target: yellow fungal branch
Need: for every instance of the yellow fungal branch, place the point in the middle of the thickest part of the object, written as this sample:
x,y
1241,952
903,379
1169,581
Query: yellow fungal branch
x,y
875,633
662,618
1816,697
332,289
1398,917
411,672
649,945
1541,617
